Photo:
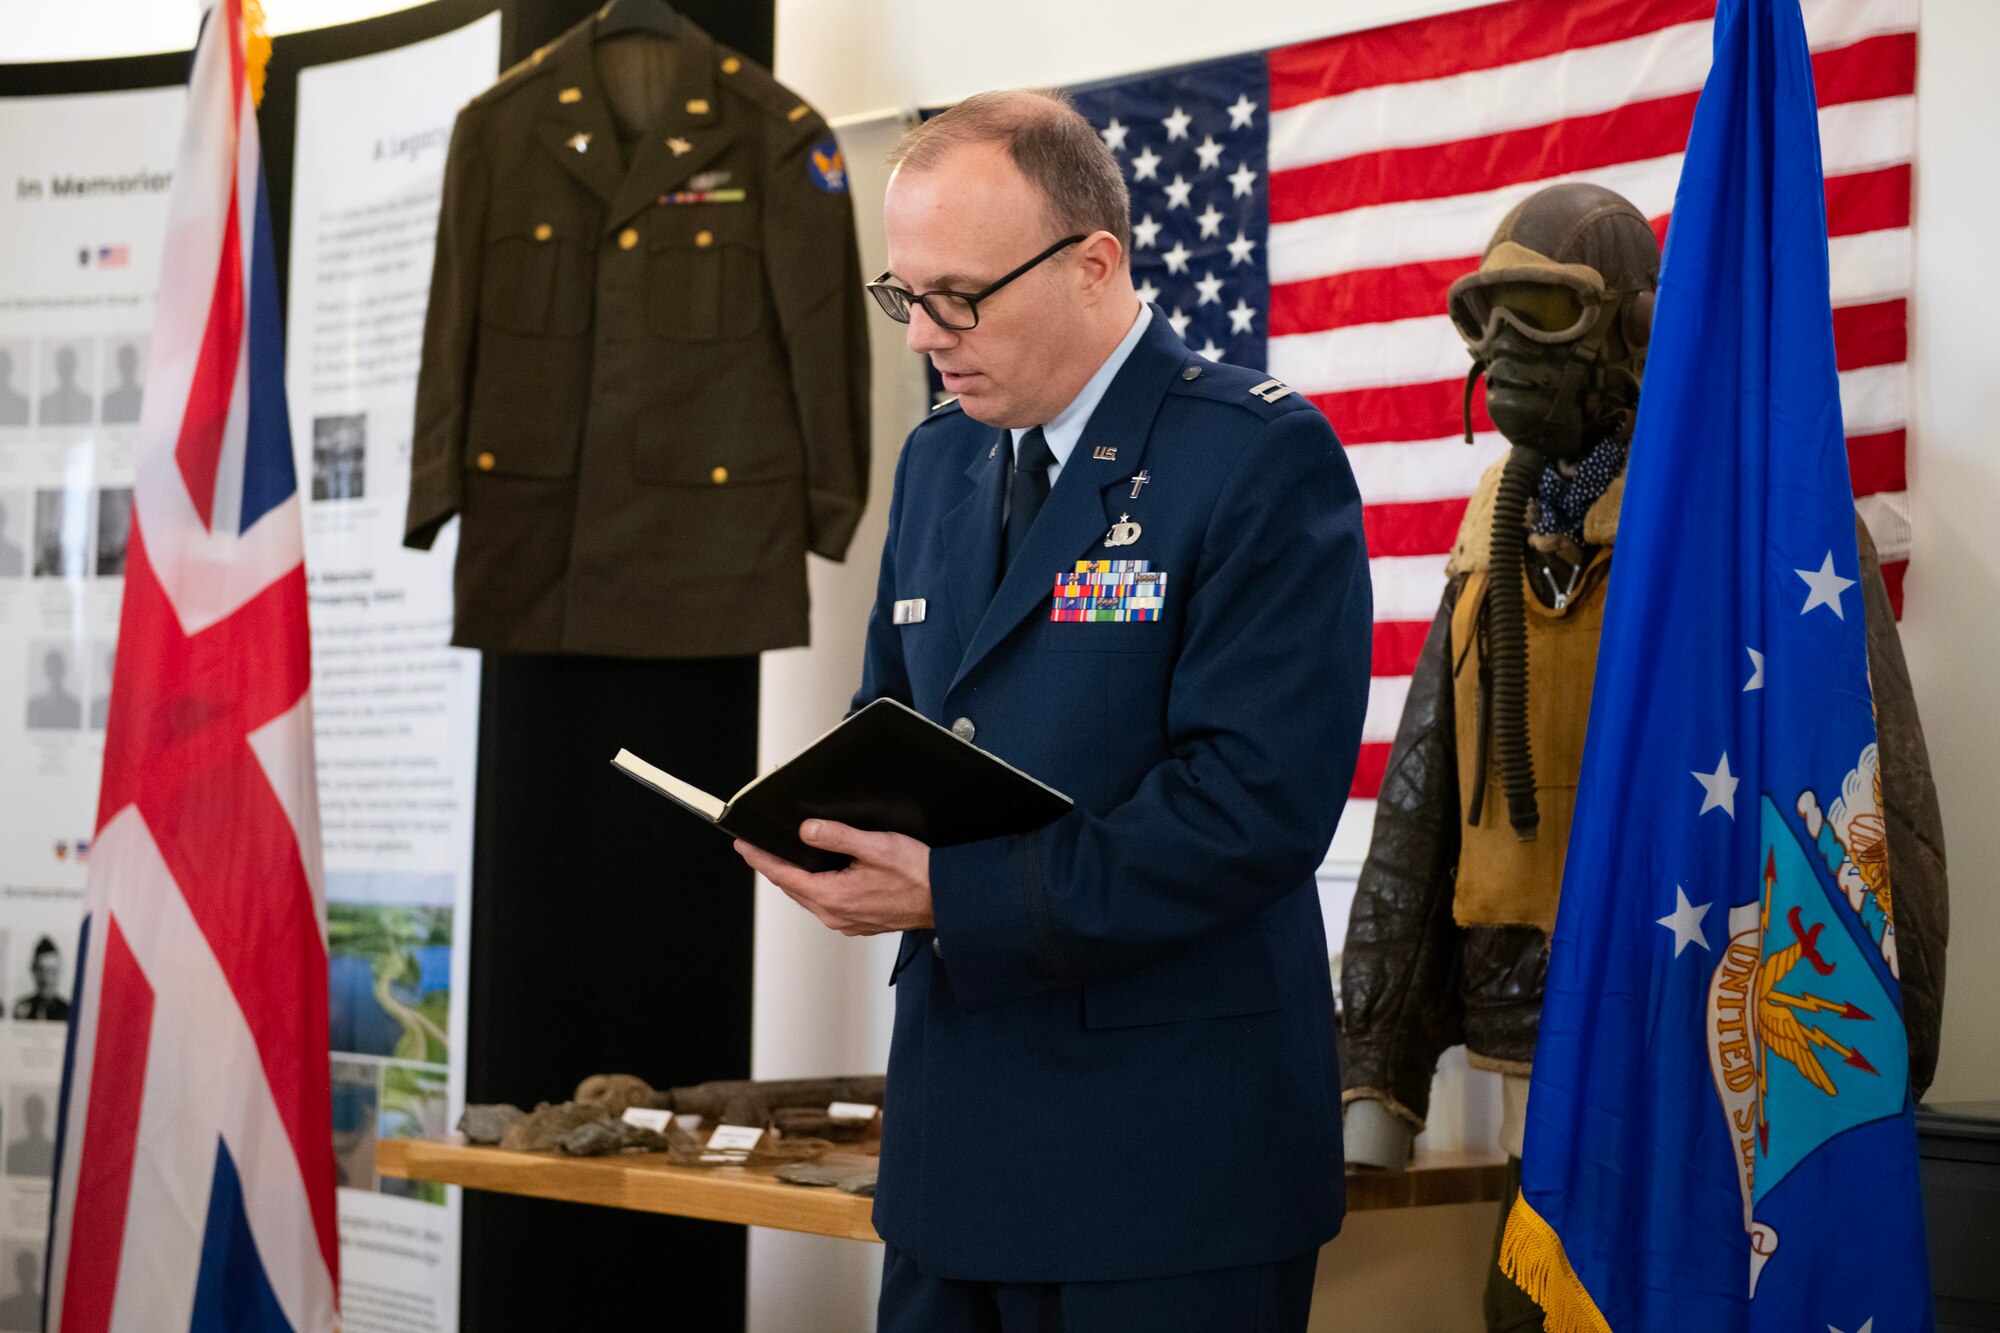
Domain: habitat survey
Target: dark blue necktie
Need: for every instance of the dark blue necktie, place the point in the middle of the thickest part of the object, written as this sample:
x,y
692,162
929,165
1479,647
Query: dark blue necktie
x,y
1027,487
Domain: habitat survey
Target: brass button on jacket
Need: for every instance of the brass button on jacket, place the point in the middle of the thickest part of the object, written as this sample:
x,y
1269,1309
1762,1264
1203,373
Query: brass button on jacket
x,y
644,387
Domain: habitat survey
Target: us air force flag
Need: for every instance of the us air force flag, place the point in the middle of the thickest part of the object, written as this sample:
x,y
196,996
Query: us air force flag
x,y
1720,1132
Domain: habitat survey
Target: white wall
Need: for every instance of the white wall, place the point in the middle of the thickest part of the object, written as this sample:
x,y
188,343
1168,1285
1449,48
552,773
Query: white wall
x,y
96,29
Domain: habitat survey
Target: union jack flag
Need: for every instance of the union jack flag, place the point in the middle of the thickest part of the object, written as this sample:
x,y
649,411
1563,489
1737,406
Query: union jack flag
x,y
194,1183
1302,210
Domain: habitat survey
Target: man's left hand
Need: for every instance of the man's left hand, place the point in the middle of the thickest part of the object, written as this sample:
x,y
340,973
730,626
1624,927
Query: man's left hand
x,y
886,887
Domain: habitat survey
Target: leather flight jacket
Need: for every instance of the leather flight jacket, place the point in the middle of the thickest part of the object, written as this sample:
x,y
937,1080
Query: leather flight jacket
x,y
1415,982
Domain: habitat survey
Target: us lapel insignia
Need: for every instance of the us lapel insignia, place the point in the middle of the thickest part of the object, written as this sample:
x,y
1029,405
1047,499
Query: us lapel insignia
x,y
1105,452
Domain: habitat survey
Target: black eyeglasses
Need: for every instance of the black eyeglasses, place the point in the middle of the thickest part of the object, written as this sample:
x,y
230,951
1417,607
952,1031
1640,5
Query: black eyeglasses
x,y
957,311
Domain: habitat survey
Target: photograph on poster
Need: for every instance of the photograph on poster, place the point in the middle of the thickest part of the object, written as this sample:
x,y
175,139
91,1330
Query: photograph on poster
x,y
62,520
356,1100
44,967
15,372
31,1146
124,379
114,530
20,1286
340,448
69,369
13,522
53,679
389,971
105,654
414,1106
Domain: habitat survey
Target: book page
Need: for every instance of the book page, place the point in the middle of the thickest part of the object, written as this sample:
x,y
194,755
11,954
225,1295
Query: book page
x,y
667,784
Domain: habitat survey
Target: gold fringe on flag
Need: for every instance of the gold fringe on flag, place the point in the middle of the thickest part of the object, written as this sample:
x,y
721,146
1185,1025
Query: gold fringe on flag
x,y
1532,1254
256,49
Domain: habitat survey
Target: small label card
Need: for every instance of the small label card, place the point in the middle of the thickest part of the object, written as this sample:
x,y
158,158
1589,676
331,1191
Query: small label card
x,y
647,1118
690,1123
850,1111
734,1138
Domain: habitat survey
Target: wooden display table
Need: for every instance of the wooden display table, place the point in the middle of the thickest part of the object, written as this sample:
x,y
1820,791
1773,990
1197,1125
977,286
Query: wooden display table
x,y
752,1196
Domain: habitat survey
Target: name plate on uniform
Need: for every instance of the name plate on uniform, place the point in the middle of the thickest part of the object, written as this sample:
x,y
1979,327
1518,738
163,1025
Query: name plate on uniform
x,y
908,612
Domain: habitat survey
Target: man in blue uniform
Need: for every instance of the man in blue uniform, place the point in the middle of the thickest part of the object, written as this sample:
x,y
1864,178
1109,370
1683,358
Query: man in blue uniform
x,y
1113,1102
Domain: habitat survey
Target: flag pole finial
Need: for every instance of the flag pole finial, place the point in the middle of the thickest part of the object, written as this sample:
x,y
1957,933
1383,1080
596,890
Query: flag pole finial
x,y
256,49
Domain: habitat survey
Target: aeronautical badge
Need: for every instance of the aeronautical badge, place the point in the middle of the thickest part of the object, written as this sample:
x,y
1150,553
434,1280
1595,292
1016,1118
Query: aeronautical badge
x,y
828,168
1800,1023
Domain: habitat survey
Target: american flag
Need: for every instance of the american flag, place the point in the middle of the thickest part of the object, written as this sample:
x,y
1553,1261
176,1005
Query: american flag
x,y
1303,210
194,1183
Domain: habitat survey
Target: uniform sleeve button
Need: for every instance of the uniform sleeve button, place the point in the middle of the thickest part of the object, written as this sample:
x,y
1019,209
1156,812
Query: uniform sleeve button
x,y
963,729
628,238
704,239
719,475
485,461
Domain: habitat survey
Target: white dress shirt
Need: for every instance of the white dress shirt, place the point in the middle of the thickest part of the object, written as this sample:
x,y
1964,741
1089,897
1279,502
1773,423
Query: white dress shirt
x,y
1065,428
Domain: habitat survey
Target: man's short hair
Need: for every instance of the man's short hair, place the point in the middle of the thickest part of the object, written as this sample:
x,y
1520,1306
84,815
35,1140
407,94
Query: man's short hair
x,y
46,945
1051,143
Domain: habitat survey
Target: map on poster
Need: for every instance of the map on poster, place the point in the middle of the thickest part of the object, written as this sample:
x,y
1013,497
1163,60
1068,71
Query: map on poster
x,y
396,709
83,210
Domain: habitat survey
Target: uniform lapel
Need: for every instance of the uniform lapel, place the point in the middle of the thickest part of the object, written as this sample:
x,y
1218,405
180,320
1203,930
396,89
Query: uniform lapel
x,y
1072,521
688,136
972,532
576,122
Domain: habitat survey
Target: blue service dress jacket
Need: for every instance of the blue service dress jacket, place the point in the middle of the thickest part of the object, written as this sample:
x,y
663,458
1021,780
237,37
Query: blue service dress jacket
x,y
1114,1056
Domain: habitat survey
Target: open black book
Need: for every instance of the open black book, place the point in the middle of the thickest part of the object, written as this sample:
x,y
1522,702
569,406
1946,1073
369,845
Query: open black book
x,y
886,768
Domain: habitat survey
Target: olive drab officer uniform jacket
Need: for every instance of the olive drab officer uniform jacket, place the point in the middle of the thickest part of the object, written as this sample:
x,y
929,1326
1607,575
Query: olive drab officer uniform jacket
x,y
645,382
1114,1058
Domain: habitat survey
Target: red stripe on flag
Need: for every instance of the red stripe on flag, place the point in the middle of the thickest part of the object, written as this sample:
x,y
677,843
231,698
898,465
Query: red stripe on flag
x,y
1418,527
1877,334
1365,296
1401,412
124,1030
1865,70
1467,40
1398,644
1877,463
1868,201
1368,771
1892,579
1630,133
199,449
178,746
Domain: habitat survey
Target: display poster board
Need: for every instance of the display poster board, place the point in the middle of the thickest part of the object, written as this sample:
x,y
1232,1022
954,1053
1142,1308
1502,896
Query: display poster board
x,y
396,708
84,182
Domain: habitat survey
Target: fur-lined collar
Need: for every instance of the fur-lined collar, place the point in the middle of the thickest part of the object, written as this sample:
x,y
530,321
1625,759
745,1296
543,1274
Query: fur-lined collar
x,y
1473,549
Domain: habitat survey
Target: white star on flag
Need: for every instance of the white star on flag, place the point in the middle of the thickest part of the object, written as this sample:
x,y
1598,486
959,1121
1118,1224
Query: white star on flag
x,y
1148,292
1211,351
1240,181
1180,323
1826,587
1756,681
1209,152
1685,921
1145,232
1177,125
1210,288
1177,258
1240,112
1210,220
1241,315
1146,166
1178,192
1114,135
1719,789
1239,250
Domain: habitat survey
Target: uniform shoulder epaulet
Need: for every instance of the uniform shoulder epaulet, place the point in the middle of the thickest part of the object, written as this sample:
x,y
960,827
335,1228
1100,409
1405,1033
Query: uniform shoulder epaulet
x,y
778,102
1253,390
515,75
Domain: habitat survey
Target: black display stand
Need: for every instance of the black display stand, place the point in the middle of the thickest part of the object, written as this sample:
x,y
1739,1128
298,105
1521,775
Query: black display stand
x,y
609,934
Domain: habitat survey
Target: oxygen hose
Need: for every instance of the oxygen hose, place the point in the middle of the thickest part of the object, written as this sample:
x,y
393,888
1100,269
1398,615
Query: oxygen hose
x,y
1508,640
